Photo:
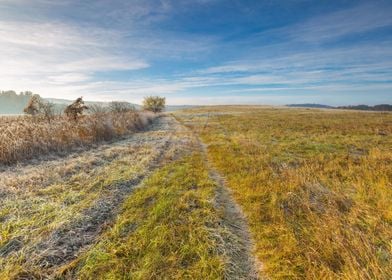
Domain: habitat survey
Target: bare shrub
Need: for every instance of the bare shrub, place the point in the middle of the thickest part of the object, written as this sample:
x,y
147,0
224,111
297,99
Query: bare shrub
x,y
74,110
32,107
37,107
120,107
48,110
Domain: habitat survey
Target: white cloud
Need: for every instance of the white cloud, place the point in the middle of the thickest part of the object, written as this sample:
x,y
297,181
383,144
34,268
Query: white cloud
x,y
44,56
63,79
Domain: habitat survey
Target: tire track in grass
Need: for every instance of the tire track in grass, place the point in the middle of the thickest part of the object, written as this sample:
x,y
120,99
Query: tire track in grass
x,y
236,239
66,242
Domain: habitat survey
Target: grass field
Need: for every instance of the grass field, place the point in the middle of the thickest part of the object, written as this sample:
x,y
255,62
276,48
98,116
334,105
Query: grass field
x,y
144,207
208,193
315,186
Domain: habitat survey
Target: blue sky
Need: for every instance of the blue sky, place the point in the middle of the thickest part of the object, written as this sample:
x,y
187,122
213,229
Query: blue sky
x,y
200,51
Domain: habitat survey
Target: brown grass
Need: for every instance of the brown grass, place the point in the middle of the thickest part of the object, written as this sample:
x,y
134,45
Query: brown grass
x,y
23,137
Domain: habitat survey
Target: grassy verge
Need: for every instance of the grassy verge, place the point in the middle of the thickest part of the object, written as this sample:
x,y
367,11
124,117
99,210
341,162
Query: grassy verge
x,y
315,186
165,230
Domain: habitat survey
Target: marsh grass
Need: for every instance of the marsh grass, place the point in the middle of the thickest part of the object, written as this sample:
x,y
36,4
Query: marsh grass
x,y
24,137
315,186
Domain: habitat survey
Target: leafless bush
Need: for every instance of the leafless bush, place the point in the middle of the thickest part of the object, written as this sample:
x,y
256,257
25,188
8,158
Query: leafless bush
x,y
32,107
48,111
74,110
120,107
98,109
37,107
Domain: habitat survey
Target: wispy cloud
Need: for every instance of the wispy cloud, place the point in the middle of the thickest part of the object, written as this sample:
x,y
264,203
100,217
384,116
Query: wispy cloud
x,y
50,53
348,22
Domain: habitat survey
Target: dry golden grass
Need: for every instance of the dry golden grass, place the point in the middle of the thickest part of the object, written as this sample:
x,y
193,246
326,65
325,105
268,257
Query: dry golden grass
x,y
23,137
315,186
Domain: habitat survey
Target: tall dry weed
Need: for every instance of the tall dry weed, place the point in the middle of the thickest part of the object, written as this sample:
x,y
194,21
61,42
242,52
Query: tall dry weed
x,y
24,137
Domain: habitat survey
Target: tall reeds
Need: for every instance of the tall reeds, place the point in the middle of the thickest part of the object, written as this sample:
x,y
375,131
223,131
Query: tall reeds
x,y
25,137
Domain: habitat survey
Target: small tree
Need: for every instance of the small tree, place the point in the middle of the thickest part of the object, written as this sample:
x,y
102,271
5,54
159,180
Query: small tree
x,y
155,104
33,105
47,110
38,107
120,107
74,110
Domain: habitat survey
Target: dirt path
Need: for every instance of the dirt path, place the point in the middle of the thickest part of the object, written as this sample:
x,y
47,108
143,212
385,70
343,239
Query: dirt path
x,y
69,230
66,242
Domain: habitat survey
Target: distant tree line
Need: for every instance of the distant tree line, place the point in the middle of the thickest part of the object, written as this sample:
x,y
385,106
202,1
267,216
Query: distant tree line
x,y
12,102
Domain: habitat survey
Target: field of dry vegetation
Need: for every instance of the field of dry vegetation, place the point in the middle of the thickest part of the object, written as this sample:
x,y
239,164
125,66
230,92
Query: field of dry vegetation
x,y
227,192
314,185
143,207
26,137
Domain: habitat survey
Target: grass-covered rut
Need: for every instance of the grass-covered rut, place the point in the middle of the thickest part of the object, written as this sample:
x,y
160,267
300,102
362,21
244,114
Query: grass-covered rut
x,y
51,211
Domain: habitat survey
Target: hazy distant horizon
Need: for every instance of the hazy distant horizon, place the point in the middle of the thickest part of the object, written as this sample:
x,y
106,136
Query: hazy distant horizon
x,y
223,104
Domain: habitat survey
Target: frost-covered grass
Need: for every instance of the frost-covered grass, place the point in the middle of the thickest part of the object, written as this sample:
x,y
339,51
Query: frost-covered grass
x,y
166,230
43,204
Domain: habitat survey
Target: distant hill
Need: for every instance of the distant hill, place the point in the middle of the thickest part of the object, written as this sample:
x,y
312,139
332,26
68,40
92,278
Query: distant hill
x,y
380,107
310,105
